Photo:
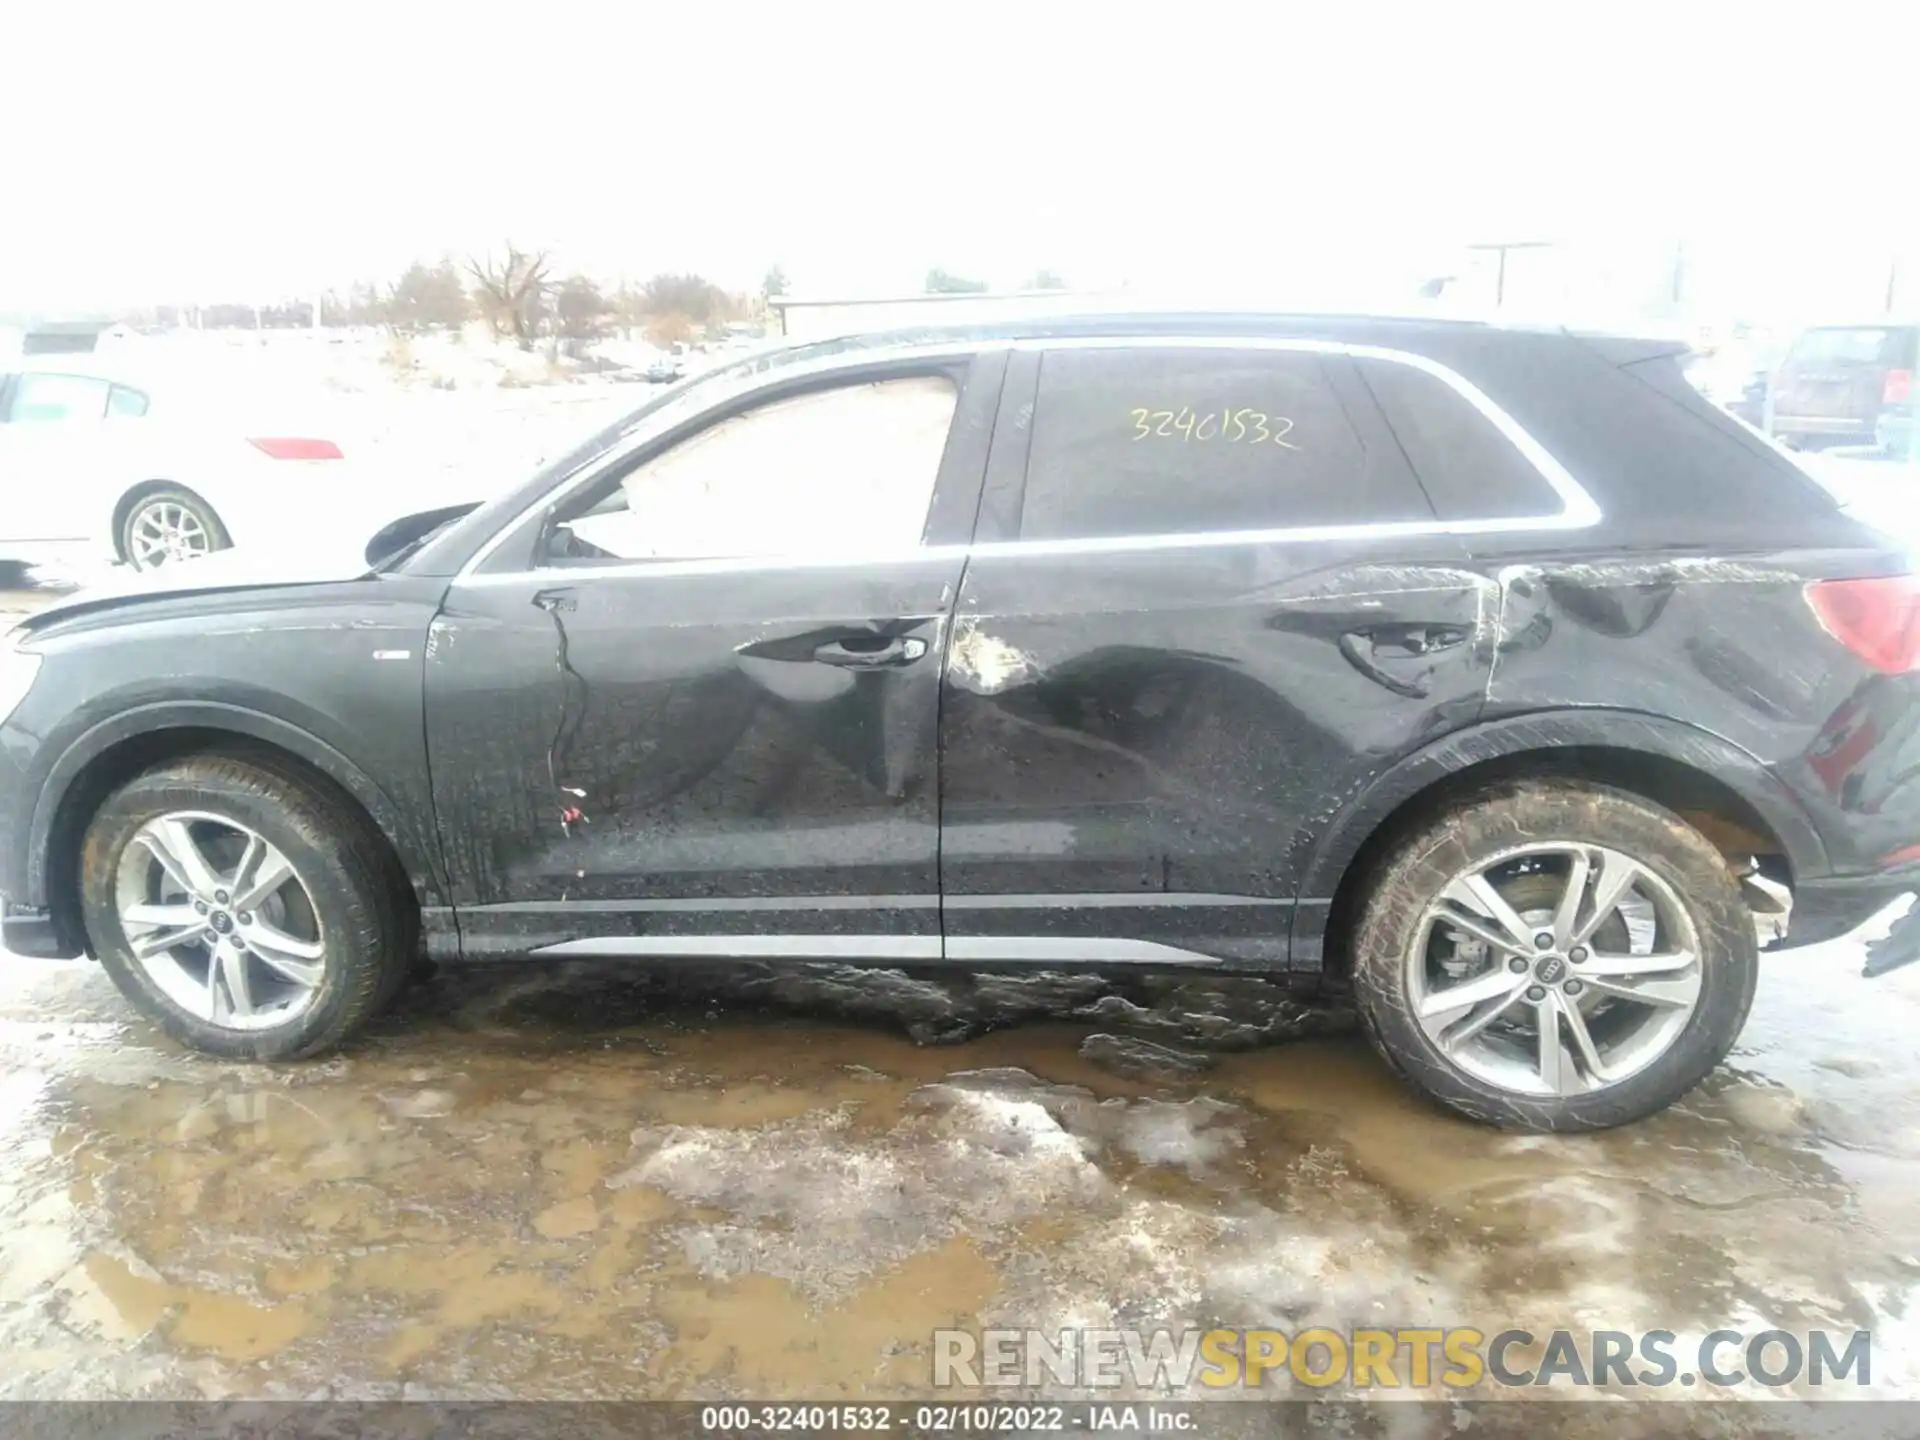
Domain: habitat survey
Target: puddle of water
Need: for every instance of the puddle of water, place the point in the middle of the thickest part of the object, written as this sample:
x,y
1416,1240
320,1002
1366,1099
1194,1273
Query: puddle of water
x,y
594,1183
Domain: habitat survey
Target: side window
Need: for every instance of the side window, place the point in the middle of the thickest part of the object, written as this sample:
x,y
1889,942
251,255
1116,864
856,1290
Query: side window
x,y
1158,441
126,404
1470,469
42,398
847,470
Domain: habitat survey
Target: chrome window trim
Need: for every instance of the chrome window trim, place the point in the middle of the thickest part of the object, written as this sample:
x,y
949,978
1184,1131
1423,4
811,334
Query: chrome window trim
x,y
1579,510
1024,949
753,947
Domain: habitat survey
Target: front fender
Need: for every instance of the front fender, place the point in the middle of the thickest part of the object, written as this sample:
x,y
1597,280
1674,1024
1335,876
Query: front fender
x,y
412,837
1544,731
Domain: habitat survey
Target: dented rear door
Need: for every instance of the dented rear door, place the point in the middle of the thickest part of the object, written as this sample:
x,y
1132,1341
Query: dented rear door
x,y
1208,603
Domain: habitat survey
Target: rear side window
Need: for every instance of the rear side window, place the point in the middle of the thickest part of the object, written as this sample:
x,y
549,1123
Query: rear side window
x,y
1185,441
1471,470
126,403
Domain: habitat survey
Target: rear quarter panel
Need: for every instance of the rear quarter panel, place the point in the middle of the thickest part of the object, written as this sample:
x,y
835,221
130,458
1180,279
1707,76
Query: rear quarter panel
x,y
1687,600
1730,645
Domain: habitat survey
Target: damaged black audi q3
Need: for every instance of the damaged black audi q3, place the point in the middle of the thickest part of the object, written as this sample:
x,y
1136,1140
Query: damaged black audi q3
x,y
1486,675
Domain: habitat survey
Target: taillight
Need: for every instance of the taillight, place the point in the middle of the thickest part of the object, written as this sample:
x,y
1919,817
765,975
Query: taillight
x,y
1901,856
1878,620
285,447
1898,387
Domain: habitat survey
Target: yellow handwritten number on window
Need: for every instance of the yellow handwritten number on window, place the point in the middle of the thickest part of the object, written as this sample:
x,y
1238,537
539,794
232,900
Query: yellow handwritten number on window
x,y
1249,426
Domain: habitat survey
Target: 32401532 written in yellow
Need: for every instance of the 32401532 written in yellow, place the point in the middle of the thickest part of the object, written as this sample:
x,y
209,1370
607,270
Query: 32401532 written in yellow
x,y
1454,1358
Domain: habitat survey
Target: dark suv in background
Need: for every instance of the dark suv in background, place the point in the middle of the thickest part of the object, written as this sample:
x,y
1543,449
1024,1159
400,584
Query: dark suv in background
x,y
1490,674
1839,383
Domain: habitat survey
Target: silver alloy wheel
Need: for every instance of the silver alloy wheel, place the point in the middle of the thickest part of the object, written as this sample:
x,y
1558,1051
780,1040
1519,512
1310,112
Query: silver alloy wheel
x,y
220,921
164,531
1554,969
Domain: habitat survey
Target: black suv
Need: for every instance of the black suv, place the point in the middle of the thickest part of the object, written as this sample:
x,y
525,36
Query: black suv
x,y
1847,385
1490,674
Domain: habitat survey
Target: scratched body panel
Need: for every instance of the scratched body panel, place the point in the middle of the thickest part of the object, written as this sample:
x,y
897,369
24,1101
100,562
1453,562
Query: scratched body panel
x,y
633,756
1169,730
1176,734
1729,644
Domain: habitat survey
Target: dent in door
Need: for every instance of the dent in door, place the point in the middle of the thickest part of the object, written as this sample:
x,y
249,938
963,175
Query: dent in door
x,y
1171,729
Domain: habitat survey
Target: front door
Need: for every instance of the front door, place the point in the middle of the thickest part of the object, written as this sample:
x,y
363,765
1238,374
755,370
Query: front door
x,y
705,719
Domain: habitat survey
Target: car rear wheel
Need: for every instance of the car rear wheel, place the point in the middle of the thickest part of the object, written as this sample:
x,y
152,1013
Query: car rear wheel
x,y
166,526
243,908
1554,956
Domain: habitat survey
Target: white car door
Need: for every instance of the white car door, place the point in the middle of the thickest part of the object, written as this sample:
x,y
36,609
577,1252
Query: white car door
x,y
55,444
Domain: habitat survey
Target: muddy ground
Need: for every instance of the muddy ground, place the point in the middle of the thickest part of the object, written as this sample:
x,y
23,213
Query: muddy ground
x,y
588,1180
600,1181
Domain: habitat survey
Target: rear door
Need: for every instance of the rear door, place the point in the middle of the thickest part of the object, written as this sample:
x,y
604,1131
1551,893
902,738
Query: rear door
x,y
1208,602
702,719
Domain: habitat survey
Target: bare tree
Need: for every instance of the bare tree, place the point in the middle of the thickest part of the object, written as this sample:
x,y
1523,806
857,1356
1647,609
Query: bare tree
x,y
693,296
580,310
427,298
510,290
670,329
366,305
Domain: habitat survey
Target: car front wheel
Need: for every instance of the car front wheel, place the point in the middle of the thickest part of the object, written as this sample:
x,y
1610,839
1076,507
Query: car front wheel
x,y
166,526
243,908
1554,956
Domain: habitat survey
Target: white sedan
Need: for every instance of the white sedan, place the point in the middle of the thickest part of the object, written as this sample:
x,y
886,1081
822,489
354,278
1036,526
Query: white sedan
x,y
93,467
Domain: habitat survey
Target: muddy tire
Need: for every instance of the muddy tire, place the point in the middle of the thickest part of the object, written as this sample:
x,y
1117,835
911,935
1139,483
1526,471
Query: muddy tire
x,y
1617,1031
249,912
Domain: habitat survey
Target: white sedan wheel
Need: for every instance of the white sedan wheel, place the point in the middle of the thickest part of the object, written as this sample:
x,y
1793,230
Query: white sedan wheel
x,y
170,526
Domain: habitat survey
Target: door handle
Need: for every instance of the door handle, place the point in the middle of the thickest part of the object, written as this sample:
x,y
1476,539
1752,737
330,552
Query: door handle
x,y
1372,651
1398,642
873,652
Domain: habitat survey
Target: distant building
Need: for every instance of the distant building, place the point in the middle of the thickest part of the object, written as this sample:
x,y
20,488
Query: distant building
x,y
58,337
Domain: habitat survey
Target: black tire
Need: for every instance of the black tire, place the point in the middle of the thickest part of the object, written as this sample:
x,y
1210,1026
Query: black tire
x,y
354,883
217,537
1478,828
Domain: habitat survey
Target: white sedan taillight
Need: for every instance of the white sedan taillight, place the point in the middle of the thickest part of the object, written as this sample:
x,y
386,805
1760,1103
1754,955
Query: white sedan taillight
x,y
285,447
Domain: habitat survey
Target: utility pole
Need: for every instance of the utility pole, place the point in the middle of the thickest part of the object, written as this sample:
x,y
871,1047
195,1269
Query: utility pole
x,y
1500,249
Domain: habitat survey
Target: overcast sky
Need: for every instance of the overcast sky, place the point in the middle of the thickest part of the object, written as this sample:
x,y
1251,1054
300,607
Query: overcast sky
x,y
194,151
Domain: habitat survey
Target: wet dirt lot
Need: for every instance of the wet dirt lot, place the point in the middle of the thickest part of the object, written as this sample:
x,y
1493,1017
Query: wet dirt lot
x,y
592,1181
597,1181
